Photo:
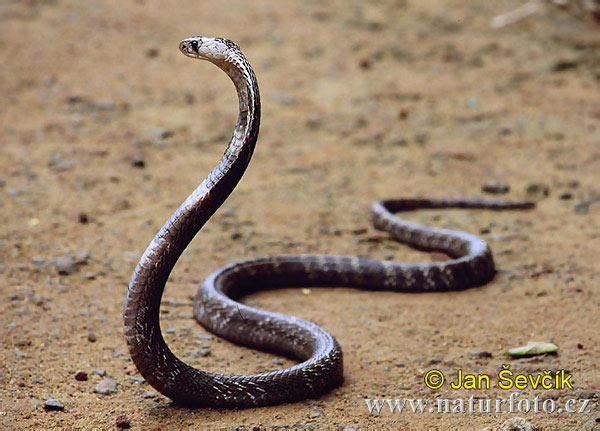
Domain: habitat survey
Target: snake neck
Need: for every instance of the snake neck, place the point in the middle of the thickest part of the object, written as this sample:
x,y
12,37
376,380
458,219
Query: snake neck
x,y
141,317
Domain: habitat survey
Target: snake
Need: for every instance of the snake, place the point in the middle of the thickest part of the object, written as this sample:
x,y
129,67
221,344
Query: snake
x,y
217,305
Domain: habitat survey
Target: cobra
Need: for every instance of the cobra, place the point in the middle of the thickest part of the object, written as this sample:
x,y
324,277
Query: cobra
x,y
216,306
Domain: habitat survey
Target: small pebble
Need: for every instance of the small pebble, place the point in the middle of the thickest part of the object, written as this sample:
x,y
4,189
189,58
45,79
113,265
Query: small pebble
x,y
563,65
18,353
583,207
495,188
106,387
516,424
171,330
53,404
100,373
365,64
82,257
480,354
83,218
91,337
199,353
81,376
565,196
366,363
149,394
38,261
65,265
123,422
538,190
138,379
138,162
38,380
315,415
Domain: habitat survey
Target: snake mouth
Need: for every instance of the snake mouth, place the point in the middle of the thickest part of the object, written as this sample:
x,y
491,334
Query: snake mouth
x,y
189,47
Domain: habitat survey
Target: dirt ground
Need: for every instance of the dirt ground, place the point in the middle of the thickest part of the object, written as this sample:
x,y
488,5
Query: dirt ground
x,y
106,128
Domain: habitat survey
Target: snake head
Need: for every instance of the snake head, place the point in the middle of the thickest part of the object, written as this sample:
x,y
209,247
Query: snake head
x,y
207,48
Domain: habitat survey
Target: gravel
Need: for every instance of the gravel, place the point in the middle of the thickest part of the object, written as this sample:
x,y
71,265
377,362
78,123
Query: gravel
x,y
53,404
495,188
138,162
516,424
537,190
479,354
106,387
65,265
123,422
81,376
68,264
583,207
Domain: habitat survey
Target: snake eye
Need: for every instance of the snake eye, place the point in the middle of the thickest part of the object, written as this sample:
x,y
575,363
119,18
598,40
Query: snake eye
x,y
195,45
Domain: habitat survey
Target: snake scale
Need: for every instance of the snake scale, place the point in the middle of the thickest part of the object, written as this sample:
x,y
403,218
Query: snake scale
x,y
319,355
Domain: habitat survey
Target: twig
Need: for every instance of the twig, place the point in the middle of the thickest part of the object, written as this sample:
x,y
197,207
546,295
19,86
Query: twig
x,y
530,8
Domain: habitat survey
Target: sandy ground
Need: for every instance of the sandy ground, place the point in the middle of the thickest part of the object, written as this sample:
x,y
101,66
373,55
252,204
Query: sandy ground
x,y
106,127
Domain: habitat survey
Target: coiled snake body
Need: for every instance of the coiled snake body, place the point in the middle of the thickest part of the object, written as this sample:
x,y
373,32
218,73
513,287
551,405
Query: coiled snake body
x,y
215,307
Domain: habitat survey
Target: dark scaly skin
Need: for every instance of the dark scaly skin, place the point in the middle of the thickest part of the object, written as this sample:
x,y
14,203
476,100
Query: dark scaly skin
x,y
319,354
